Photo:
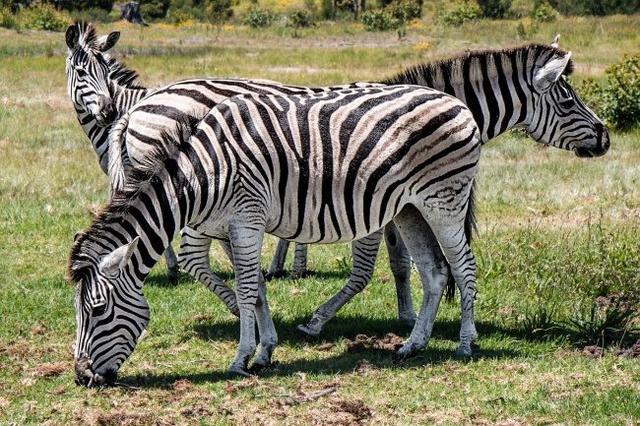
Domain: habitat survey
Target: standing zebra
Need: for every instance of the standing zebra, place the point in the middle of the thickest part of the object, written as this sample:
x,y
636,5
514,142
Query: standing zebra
x,y
328,167
515,88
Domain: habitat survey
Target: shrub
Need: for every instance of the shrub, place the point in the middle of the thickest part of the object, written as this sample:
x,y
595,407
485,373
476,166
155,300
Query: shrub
x,y
622,96
219,11
495,9
405,10
259,18
461,13
301,18
83,4
44,17
93,14
154,9
595,7
544,12
379,20
8,19
182,11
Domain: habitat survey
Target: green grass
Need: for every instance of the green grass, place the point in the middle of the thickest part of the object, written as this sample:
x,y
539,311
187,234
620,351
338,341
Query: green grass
x,y
555,232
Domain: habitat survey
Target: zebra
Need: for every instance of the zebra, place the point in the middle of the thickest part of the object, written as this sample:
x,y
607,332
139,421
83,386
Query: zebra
x,y
328,167
103,90
504,90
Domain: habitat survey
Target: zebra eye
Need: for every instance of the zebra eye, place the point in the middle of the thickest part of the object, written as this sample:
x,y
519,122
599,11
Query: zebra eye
x,y
81,72
99,310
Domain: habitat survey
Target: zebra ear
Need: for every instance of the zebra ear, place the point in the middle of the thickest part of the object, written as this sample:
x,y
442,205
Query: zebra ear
x,y
72,36
107,42
550,72
556,41
115,261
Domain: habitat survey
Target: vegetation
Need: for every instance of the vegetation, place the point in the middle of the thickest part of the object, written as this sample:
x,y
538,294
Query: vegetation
x,y
557,241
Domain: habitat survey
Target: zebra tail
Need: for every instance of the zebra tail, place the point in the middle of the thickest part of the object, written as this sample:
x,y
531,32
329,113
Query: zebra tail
x,y
118,156
469,228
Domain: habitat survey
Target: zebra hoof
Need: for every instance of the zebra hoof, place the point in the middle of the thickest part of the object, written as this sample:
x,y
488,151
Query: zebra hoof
x,y
274,274
258,368
464,352
236,372
301,274
308,332
405,352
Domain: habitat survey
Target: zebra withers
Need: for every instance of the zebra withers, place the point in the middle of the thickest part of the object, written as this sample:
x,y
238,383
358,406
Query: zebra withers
x,y
329,167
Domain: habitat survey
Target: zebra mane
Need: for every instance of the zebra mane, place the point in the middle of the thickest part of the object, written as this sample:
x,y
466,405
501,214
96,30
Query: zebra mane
x,y
119,72
454,65
137,182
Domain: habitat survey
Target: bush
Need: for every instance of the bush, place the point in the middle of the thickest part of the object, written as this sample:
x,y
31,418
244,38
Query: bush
x,y
219,11
259,18
93,14
495,9
154,9
595,7
463,12
544,12
301,19
8,19
185,10
622,95
83,4
405,10
44,17
379,20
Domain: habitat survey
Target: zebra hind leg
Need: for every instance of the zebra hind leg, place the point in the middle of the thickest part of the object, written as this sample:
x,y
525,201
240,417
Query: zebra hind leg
x,y
400,263
276,270
364,253
172,265
424,250
300,261
193,258
246,244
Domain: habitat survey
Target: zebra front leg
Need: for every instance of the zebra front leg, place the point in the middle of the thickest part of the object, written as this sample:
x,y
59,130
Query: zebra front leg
x,y
277,264
300,261
172,265
364,253
400,263
246,244
423,247
194,260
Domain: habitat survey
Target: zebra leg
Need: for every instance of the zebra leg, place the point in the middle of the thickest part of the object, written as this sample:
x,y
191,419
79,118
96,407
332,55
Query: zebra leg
x,y
364,252
194,260
455,245
300,261
423,247
172,265
277,264
246,244
266,330
400,263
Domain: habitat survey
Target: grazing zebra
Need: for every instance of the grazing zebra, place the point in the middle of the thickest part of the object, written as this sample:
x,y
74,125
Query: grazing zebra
x,y
323,168
103,90
504,89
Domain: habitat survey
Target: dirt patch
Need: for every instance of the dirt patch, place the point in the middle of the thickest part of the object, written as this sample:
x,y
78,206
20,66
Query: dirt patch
x,y
390,342
364,367
358,410
15,350
251,382
340,412
197,411
593,351
4,403
182,385
51,369
631,352
123,418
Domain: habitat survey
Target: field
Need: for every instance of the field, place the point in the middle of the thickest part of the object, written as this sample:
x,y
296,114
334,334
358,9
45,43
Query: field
x,y
555,232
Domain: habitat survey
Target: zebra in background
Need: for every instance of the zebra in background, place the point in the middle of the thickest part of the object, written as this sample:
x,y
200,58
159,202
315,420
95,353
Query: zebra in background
x,y
101,90
323,168
504,89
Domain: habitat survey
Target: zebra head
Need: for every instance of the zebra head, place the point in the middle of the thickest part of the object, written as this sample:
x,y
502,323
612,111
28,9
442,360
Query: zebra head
x,y
558,116
88,72
111,311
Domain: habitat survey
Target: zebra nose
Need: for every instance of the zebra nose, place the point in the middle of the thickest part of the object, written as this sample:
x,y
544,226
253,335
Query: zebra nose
x,y
84,374
604,142
106,107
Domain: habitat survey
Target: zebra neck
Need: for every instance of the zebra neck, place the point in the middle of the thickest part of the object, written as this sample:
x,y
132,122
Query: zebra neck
x,y
125,98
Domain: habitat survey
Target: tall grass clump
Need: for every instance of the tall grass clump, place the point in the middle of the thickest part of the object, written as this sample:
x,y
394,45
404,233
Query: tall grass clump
x,y
259,18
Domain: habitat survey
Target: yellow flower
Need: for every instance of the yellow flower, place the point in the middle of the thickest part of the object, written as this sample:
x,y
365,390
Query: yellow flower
x,y
422,46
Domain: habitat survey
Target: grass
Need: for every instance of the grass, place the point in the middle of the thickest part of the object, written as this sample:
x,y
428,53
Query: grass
x,y
555,232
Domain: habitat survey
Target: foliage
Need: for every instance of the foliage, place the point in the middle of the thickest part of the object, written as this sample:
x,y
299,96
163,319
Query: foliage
x,y
596,7
259,18
544,12
461,13
301,18
83,4
617,101
94,14
185,10
605,321
405,10
219,11
154,9
495,9
43,17
327,10
379,20
8,19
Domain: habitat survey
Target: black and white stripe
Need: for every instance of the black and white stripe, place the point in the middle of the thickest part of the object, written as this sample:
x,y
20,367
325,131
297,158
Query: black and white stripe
x,y
329,167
